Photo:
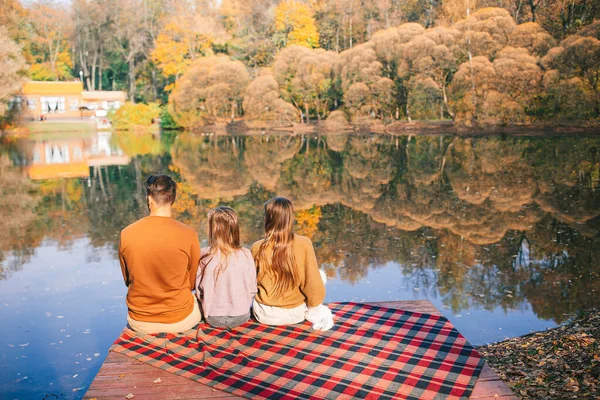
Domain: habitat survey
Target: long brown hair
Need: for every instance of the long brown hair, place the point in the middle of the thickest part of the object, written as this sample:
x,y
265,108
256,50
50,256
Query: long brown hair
x,y
275,253
223,237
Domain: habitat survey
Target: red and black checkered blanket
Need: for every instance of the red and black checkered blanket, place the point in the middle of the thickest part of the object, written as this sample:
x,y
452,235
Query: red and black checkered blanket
x,y
372,352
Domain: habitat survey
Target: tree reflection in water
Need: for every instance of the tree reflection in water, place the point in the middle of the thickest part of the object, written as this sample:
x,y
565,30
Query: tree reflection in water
x,y
487,222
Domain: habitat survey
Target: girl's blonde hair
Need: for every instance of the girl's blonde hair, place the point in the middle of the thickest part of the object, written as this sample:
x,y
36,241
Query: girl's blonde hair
x,y
223,237
275,253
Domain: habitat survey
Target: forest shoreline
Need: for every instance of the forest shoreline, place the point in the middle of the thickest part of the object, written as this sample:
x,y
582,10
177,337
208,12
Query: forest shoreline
x,y
410,129
415,128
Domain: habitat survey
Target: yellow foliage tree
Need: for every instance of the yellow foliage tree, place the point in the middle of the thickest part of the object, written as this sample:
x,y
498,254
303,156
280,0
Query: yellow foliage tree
x,y
296,20
177,46
49,51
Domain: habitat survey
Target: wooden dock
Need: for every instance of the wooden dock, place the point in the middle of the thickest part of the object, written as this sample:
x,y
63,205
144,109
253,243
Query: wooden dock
x,y
121,375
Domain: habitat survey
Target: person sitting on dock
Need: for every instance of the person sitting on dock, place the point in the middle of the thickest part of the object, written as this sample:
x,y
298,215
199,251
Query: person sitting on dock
x,y
291,288
159,260
226,279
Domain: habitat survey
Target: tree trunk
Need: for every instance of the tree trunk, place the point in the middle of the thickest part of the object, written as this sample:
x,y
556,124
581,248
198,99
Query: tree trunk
x,y
131,79
351,27
307,115
445,95
85,69
93,74
154,85
532,6
100,67
471,63
100,76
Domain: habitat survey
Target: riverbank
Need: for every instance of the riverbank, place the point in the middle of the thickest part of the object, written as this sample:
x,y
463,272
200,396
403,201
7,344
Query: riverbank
x,y
400,128
560,363
403,128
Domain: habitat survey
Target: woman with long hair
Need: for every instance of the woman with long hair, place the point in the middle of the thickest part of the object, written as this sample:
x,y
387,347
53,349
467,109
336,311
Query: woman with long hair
x,y
291,287
226,280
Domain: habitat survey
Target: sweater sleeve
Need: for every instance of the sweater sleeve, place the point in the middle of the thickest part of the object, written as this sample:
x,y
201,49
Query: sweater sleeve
x,y
313,286
251,274
123,262
194,260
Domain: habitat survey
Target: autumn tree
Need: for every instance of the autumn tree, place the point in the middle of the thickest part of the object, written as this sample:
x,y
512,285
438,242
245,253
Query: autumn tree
x,y
497,92
576,59
14,19
306,79
93,24
176,47
532,37
391,46
188,33
12,66
343,24
358,69
263,105
486,31
250,24
212,89
453,11
131,38
562,18
295,20
434,56
49,52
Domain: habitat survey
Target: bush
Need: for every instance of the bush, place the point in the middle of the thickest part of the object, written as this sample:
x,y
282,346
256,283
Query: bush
x,y
336,121
131,115
166,120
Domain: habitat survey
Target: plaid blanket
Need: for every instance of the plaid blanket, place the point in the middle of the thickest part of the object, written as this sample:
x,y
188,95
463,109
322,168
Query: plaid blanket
x,y
372,352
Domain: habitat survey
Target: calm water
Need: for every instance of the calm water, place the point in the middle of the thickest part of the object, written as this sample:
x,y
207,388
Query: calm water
x,y
501,234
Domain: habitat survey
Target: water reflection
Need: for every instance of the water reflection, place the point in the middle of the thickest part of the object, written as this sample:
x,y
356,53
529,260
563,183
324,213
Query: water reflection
x,y
490,229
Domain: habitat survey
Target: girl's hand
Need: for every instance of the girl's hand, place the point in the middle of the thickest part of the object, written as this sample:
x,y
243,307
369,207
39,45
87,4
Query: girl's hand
x,y
320,316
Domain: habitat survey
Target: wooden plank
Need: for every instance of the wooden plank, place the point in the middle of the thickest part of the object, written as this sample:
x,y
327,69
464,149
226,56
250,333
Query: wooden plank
x,y
422,306
491,390
488,374
121,375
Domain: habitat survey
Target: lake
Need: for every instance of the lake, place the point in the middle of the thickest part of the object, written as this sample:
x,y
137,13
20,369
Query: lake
x,y
502,234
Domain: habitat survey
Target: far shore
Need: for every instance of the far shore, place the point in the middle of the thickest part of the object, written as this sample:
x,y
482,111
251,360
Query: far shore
x,y
403,128
400,128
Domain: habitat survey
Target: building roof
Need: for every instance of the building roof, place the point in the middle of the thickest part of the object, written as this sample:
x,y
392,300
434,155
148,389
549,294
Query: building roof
x,y
52,88
104,95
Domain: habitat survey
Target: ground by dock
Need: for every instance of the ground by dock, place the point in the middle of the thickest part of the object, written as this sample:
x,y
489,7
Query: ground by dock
x,y
120,375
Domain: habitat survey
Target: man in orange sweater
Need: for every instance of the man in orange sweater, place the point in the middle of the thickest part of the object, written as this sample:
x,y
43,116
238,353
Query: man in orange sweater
x,y
159,259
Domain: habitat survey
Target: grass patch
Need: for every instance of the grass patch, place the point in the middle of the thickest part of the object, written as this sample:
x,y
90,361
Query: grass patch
x,y
55,129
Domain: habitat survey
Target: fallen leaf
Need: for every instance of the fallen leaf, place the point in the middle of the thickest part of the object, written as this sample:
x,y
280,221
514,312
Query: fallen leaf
x,y
121,375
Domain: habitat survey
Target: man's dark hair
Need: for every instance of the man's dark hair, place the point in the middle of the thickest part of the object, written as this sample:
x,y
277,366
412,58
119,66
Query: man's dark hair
x,y
162,189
